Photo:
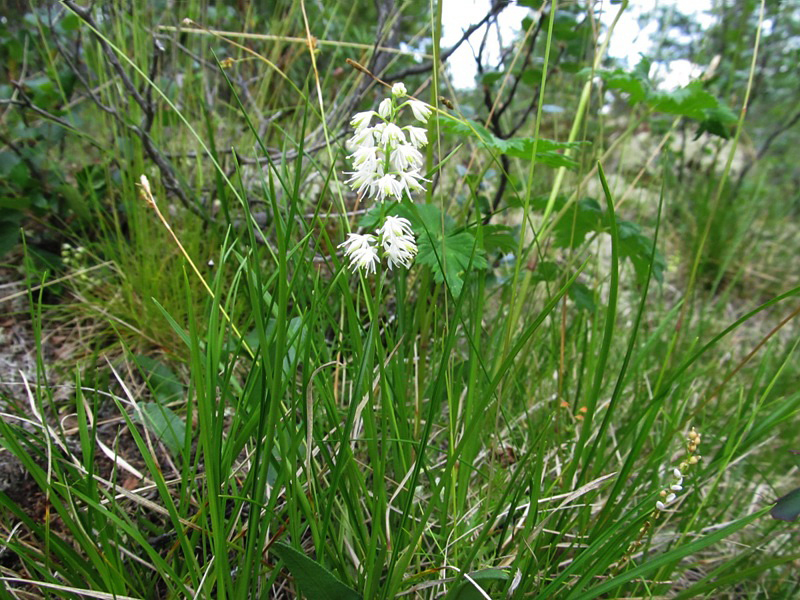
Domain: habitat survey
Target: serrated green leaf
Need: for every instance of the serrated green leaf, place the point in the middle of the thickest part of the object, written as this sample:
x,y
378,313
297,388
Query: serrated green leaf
x,y
546,150
583,297
584,217
314,580
499,237
449,257
637,246
165,425
546,271
691,101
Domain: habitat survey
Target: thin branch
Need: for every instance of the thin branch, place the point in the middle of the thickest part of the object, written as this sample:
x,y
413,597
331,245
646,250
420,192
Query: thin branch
x,y
168,177
496,8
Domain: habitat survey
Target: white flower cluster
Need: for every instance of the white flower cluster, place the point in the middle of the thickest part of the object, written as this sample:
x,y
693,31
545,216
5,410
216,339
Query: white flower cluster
x,y
387,164
386,158
669,496
396,239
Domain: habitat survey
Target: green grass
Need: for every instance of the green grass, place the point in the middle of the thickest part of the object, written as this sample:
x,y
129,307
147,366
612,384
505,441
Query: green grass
x,y
274,425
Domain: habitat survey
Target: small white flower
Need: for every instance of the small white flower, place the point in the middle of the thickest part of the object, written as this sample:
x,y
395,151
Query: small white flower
x,y
676,487
362,180
399,254
417,135
395,227
385,108
392,134
361,251
676,472
661,506
405,156
422,111
361,120
365,157
399,90
388,185
363,138
410,181
670,499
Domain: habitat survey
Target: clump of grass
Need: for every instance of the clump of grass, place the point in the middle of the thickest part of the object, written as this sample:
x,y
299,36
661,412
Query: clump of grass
x,y
493,421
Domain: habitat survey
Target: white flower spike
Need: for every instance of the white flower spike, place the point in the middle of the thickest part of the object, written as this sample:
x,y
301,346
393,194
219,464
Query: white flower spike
x,y
387,165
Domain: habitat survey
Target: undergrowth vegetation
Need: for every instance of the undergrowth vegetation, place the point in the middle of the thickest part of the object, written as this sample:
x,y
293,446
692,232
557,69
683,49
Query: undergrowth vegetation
x,y
575,378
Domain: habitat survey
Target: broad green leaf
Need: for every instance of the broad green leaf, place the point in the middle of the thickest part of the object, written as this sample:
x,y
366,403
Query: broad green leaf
x,y
691,101
584,217
546,271
491,77
314,580
499,237
636,246
583,297
449,257
165,425
787,508
547,151
165,384
446,251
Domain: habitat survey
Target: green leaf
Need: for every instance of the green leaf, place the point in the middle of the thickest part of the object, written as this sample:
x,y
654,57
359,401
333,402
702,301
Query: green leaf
x,y
70,22
164,383
449,257
499,237
787,508
691,101
546,271
448,253
716,122
531,76
165,425
9,231
636,246
491,77
466,590
584,217
314,580
583,297
547,151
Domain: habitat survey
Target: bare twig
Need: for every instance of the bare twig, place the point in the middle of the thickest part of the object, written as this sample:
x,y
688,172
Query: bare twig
x,y
147,105
495,9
